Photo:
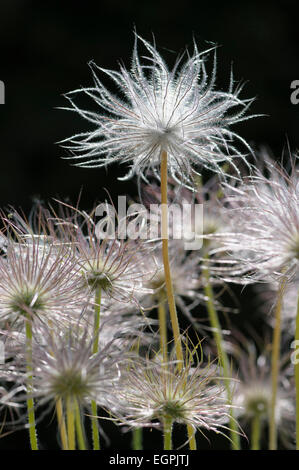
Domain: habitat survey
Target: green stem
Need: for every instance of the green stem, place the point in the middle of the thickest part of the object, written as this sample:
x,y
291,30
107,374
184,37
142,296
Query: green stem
x,y
79,430
96,326
167,434
30,401
256,432
191,436
163,328
275,365
70,416
167,272
61,424
95,349
94,426
296,366
168,280
137,439
217,332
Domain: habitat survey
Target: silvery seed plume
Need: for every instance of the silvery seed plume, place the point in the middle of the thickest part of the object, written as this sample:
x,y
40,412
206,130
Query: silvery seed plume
x,y
10,409
124,329
253,393
194,216
117,331
176,110
64,367
150,391
267,295
263,243
188,282
105,261
37,279
7,398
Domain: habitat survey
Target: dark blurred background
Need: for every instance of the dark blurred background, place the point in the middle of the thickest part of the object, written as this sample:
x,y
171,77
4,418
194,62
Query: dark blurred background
x,y
44,50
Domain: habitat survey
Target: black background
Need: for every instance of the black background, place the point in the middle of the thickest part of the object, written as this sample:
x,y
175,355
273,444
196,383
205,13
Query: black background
x,y
44,50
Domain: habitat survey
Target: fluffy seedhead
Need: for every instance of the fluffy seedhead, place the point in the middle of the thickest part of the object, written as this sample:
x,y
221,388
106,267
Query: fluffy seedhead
x,y
65,368
262,243
106,262
37,277
159,109
151,392
253,390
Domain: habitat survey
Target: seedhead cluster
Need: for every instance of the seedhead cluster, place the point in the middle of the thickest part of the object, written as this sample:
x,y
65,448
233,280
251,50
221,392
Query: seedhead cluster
x,y
92,324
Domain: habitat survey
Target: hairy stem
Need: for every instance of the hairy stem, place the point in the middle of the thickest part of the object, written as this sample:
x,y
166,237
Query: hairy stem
x,y
61,424
70,416
95,349
165,254
224,361
167,433
30,401
296,366
191,436
163,328
256,432
137,439
167,273
96,326
79,430
275,365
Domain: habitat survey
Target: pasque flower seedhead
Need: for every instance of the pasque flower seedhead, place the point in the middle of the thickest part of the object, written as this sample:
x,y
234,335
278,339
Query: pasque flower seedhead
x,y
159,109
262,241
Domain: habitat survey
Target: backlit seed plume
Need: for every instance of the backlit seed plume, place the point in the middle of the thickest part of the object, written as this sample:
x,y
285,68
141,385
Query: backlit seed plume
x,y
150,392
7,398
268,300
105,261
64,367
194,216
10,409
188,281
176,110
37,279
253,389
263,244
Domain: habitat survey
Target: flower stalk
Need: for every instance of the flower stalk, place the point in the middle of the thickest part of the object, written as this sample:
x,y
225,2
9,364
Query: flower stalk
x,y
30,401
95,348
61,424
79,430
165,254
168,280
167,433
215,324
70,415
163,328
137,439
191,437
256,432
296,366
275,365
